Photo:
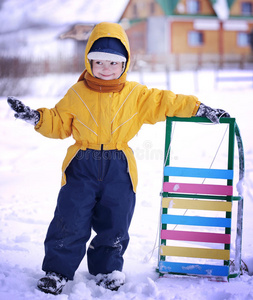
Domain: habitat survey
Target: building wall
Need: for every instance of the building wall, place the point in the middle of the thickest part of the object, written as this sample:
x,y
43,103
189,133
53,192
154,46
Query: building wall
x,y
236,7
230,42
211,40
137,35
179,34
205,7
140,9
179,26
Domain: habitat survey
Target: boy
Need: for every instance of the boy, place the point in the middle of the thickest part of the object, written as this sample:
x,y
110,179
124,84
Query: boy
x,y
102,111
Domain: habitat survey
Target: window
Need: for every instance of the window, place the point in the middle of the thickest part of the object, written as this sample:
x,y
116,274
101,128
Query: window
x,y
243,39
247,8
135,10
193,6
152,8
195,38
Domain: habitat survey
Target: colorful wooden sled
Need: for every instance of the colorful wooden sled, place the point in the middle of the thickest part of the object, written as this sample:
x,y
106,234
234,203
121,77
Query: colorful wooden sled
x,y
193,240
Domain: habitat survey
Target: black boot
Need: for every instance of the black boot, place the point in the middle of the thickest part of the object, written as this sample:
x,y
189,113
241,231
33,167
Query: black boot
x,y
52,283
112,281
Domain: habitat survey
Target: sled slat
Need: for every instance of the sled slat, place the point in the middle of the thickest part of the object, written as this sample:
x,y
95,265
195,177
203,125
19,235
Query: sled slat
x,y
194,252
200,173
196,204
209,189
196,221
205,237
193,269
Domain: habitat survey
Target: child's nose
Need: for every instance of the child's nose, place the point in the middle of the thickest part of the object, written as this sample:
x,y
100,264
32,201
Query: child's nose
x,y
106,66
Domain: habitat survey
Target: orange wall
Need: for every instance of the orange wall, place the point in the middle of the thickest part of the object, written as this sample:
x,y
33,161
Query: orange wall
x,y
137,38
179,35
236,7
143,8
230,44
180,39
180,29
205,7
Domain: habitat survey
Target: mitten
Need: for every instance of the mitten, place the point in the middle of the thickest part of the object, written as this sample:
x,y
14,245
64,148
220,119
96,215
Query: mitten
x,y
212,114
23,112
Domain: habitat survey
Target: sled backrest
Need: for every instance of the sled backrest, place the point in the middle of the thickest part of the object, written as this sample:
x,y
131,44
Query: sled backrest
x,y
195,234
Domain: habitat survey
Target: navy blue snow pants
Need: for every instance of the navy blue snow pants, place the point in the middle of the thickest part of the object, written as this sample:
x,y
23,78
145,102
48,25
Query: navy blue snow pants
x,y
98,195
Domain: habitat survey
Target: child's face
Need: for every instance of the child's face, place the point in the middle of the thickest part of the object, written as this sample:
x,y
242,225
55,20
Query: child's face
x,y
106,70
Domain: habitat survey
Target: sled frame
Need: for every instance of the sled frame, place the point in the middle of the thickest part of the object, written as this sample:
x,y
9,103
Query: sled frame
x,y
200,197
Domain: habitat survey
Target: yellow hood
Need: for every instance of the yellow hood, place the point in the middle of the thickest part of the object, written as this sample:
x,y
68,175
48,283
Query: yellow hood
x,y
106,29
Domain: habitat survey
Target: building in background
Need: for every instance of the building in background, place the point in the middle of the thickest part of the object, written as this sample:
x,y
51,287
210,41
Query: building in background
x,y
173,34
190,31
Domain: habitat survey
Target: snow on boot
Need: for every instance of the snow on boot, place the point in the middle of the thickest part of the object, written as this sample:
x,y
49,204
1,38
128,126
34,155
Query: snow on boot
x,y
52,283
112,281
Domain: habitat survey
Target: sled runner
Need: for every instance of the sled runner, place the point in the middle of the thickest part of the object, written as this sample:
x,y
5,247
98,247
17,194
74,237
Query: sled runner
x,y
196,218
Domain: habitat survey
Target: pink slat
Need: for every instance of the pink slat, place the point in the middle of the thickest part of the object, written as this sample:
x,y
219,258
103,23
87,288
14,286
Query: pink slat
x,y
205,237
210,189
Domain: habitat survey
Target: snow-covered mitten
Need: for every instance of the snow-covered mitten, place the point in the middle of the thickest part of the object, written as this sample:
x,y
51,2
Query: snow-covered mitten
x,y
112,281
52,283
212,114
23,112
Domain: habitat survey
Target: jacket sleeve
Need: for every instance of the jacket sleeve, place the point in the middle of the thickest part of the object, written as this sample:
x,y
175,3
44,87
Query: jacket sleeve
x,y
154,105
56,122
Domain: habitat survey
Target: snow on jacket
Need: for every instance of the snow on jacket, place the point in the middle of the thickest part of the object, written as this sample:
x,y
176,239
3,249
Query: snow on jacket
x,y
96,117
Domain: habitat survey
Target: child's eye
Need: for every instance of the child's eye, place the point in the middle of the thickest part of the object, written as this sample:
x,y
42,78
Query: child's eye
x,y
114,63
98,62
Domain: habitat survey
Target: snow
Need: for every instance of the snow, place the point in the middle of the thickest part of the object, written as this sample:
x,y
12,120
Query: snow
x,y
235,25
204,24
30,167
16,14
112,281
221,8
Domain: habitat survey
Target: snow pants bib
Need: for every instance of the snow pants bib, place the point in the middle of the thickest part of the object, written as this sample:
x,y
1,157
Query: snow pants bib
x,y
98,195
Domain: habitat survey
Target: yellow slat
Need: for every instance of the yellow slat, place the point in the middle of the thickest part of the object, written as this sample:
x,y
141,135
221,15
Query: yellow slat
x,y
194,252
196,204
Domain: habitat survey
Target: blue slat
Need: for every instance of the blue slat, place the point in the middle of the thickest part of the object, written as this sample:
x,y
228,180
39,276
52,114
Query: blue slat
x,y
196,221
200,173
193,269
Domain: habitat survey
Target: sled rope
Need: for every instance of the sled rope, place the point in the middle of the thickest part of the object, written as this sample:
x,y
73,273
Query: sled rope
x,y
213,160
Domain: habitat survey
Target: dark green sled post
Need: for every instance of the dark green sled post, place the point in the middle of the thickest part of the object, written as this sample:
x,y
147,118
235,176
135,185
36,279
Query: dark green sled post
x,y
193,240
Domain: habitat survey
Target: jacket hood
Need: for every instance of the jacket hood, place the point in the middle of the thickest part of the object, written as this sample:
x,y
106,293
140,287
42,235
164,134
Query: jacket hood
x,y
106,29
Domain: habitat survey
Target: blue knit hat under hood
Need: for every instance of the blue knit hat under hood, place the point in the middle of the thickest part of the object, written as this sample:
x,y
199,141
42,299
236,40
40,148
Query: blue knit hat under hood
x,y
108,48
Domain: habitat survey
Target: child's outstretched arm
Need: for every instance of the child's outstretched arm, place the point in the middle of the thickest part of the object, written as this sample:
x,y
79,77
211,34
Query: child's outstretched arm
x,y
23,112
211,113
155,105
52,123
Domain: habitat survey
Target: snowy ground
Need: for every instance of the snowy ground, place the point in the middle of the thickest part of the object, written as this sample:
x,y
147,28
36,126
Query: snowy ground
x,y
30,180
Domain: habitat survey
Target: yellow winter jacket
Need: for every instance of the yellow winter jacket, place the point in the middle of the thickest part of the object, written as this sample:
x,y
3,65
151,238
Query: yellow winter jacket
x,y
109,118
